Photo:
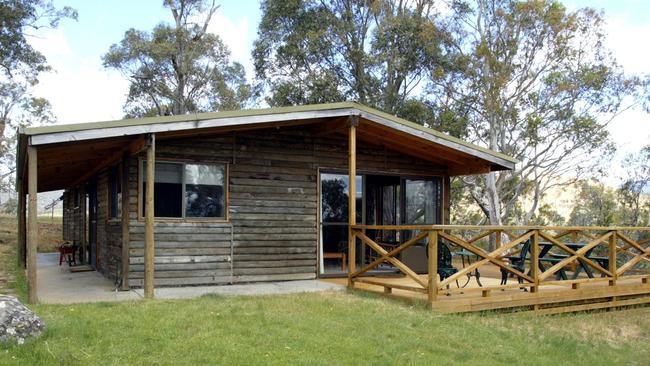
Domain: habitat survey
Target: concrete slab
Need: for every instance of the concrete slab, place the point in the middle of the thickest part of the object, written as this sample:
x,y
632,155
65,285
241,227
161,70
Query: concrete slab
x,y
57,285
262,288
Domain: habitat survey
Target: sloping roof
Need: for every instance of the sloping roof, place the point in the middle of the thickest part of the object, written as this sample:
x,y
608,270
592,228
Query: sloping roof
x,y
68,150
286,113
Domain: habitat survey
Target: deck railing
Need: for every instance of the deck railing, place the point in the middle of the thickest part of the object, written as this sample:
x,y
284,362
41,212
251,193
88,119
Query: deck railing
x,y
590,254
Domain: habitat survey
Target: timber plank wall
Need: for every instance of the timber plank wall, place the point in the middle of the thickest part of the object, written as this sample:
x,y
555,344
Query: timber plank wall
x,y
272,231
273,202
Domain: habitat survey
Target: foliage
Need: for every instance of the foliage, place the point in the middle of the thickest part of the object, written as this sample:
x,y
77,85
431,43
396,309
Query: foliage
x,y
10,206
636,187
547,216
18,109
535,83
595,205
379,53
179,68
528,79
20,66
17,18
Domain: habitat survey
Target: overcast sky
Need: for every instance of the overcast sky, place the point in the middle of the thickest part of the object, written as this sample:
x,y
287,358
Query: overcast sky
x,y
81,90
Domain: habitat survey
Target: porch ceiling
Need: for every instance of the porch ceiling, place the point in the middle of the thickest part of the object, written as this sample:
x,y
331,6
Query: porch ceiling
x,y
64,165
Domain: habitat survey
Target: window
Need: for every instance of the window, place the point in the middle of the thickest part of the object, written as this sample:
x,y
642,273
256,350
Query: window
x,y
114,192
204,195
187,190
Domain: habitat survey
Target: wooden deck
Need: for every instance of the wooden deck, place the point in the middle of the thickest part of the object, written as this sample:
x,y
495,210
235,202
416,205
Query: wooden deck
x,y
590,295
562,269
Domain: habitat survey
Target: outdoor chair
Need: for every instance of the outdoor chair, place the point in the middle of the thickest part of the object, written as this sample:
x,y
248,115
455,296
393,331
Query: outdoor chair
x,y
517,262
445,267
67,253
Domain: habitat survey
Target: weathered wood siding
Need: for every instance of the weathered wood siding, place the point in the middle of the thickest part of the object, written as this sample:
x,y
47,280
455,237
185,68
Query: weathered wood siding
x,y
272,231
108,231
73,216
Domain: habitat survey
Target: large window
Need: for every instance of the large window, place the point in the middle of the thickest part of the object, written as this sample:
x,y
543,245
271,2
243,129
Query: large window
x,y
187,190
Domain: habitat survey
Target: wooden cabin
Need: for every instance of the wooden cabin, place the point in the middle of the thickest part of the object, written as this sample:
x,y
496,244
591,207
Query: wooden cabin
x,y
242,196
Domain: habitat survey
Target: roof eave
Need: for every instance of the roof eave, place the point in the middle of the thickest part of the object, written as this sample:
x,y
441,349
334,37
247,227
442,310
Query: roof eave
x,y
76,132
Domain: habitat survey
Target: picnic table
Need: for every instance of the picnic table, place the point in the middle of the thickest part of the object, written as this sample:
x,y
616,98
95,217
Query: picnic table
x,y
545,256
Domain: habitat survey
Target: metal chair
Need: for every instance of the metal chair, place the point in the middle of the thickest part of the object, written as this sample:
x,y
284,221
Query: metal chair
x,y
517,262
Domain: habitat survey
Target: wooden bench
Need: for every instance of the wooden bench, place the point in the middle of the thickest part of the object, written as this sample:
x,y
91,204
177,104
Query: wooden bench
x,y
337,255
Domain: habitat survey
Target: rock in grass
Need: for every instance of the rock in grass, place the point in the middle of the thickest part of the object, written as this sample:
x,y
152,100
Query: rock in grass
x,y
17,322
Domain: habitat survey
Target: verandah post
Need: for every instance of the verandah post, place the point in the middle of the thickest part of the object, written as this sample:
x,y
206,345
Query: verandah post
x,y
352,196
534,261
149,218
32,224
432,247
612,257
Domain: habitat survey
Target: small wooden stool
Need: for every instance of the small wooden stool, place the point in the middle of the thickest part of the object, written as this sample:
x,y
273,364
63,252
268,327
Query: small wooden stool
x,y
337,255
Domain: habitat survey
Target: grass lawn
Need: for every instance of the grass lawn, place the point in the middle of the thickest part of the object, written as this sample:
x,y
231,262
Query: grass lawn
x,y
12,280
325,328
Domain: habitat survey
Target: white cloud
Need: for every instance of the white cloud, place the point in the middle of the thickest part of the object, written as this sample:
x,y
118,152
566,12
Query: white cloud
x,y
80,90
237,36
625,41
631,129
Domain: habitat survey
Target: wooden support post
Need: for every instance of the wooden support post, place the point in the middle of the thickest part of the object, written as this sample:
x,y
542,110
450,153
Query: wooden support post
x,y
149,218
32,224
352,197
21,242
124,175
534,261
612,258
432,272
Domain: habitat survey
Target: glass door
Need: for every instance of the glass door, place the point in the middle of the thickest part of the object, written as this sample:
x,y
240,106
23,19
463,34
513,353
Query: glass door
x,y
334,221
422,198
383,202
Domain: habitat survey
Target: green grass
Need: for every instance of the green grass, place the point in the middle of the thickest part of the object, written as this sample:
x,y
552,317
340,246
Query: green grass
x,y
324,329
49,239
354,328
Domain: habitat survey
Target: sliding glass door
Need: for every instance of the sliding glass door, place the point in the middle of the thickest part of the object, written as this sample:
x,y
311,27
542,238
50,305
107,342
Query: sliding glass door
x,y
334,221
422,199
381,200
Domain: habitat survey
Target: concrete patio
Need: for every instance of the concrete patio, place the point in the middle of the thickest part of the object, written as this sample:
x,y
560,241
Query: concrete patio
x,y
57,285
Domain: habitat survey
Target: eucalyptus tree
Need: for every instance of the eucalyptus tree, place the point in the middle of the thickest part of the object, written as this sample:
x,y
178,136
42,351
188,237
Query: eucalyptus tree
x,y
181,67
535,82
377,52
634,192
20,66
